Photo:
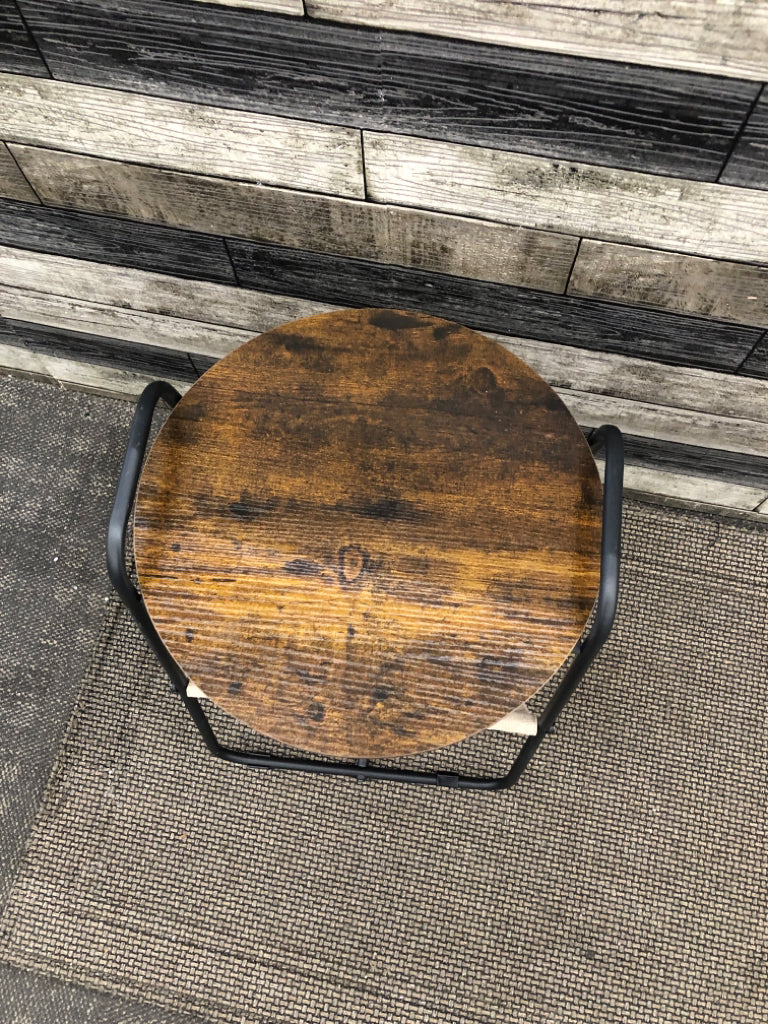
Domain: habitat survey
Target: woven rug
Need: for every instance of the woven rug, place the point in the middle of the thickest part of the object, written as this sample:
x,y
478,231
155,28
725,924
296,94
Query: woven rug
x,y
624,879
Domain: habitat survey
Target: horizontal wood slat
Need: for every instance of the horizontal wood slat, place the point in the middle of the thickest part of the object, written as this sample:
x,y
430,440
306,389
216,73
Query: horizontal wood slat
x,y
647,480
665,280
705,463
87,317
749,163
113,241
198,302
756,364
597,202
13,184
607,327
295,7
184,136
18,52
99,350
387,234
596,111
713,36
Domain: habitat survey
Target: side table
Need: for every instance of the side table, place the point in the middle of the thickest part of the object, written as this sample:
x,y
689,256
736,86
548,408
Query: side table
x,y
369,534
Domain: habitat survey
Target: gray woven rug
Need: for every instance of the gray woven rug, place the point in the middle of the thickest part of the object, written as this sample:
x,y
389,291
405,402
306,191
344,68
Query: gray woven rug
x,y
623,880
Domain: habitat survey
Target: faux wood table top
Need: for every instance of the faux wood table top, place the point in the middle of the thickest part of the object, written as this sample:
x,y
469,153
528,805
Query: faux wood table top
x,y
369,533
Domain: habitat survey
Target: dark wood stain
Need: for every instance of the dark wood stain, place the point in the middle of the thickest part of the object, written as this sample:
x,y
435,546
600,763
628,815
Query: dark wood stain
x,y
455,594
756,364
18,52
89,348
650,119
675,338
748,166
123,243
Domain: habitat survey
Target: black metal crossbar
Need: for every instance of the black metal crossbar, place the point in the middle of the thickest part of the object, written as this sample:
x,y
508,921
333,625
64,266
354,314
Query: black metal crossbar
x,y
606,437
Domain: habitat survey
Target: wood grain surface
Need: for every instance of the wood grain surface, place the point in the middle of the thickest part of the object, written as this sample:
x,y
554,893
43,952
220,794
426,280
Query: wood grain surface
x,y
590,324
666,280
185,136
748,165
756,364
695,217
18,51
459,246
13,184
113,241
369,533
666,122
721,37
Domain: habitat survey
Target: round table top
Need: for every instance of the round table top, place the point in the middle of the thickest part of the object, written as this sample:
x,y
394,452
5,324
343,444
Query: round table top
x,y
369,533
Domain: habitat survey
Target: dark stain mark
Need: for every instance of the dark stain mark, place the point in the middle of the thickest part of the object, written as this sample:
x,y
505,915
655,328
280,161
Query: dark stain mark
x,y
234,688
316,711
190,633
303,567
391,320
297,344
350,631
353,562
385,508
175,547
484,380
381,693
445,331
251,507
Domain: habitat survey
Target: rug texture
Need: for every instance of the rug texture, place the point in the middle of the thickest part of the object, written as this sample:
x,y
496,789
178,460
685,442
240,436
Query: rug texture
x,y
624,879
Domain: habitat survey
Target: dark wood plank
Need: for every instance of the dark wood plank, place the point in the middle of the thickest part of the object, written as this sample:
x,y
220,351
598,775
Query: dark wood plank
x,y
655,120
87,348
748,165
690,460
18,52
603,326
124,243
756,364
338,545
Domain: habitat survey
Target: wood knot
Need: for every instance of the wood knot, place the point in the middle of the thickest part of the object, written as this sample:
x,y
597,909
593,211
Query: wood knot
x,y
353,562
484,381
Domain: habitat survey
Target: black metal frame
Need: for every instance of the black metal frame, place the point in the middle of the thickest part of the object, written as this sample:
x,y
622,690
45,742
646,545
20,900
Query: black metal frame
x,y
607,437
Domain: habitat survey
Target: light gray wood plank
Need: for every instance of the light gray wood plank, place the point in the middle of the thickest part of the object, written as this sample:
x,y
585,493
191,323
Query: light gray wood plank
x,y
185,304
13,185
763,508
640,380
394,235
573,198
295,7
663,280
129,325
718,37
692,488
104,380
186,136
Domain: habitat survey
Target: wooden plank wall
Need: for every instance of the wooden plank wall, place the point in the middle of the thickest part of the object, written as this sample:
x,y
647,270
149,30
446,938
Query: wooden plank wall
x,y
586,182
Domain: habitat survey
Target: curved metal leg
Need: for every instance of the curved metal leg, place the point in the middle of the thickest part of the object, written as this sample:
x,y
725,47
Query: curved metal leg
x,y
606,436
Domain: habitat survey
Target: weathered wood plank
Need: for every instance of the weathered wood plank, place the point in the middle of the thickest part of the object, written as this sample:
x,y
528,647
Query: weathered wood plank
x,y
692,488
691,461
665,280
295,7
749,164
88,348
386,234
84,317
640,380
601,326
595,202
18,52
756,364
184,136
172,297
114,241
668,424
103,380
723,37
664,122
13,184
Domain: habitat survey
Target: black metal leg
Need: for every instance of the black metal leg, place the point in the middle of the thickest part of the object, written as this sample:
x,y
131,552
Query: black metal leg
x,y
607,436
